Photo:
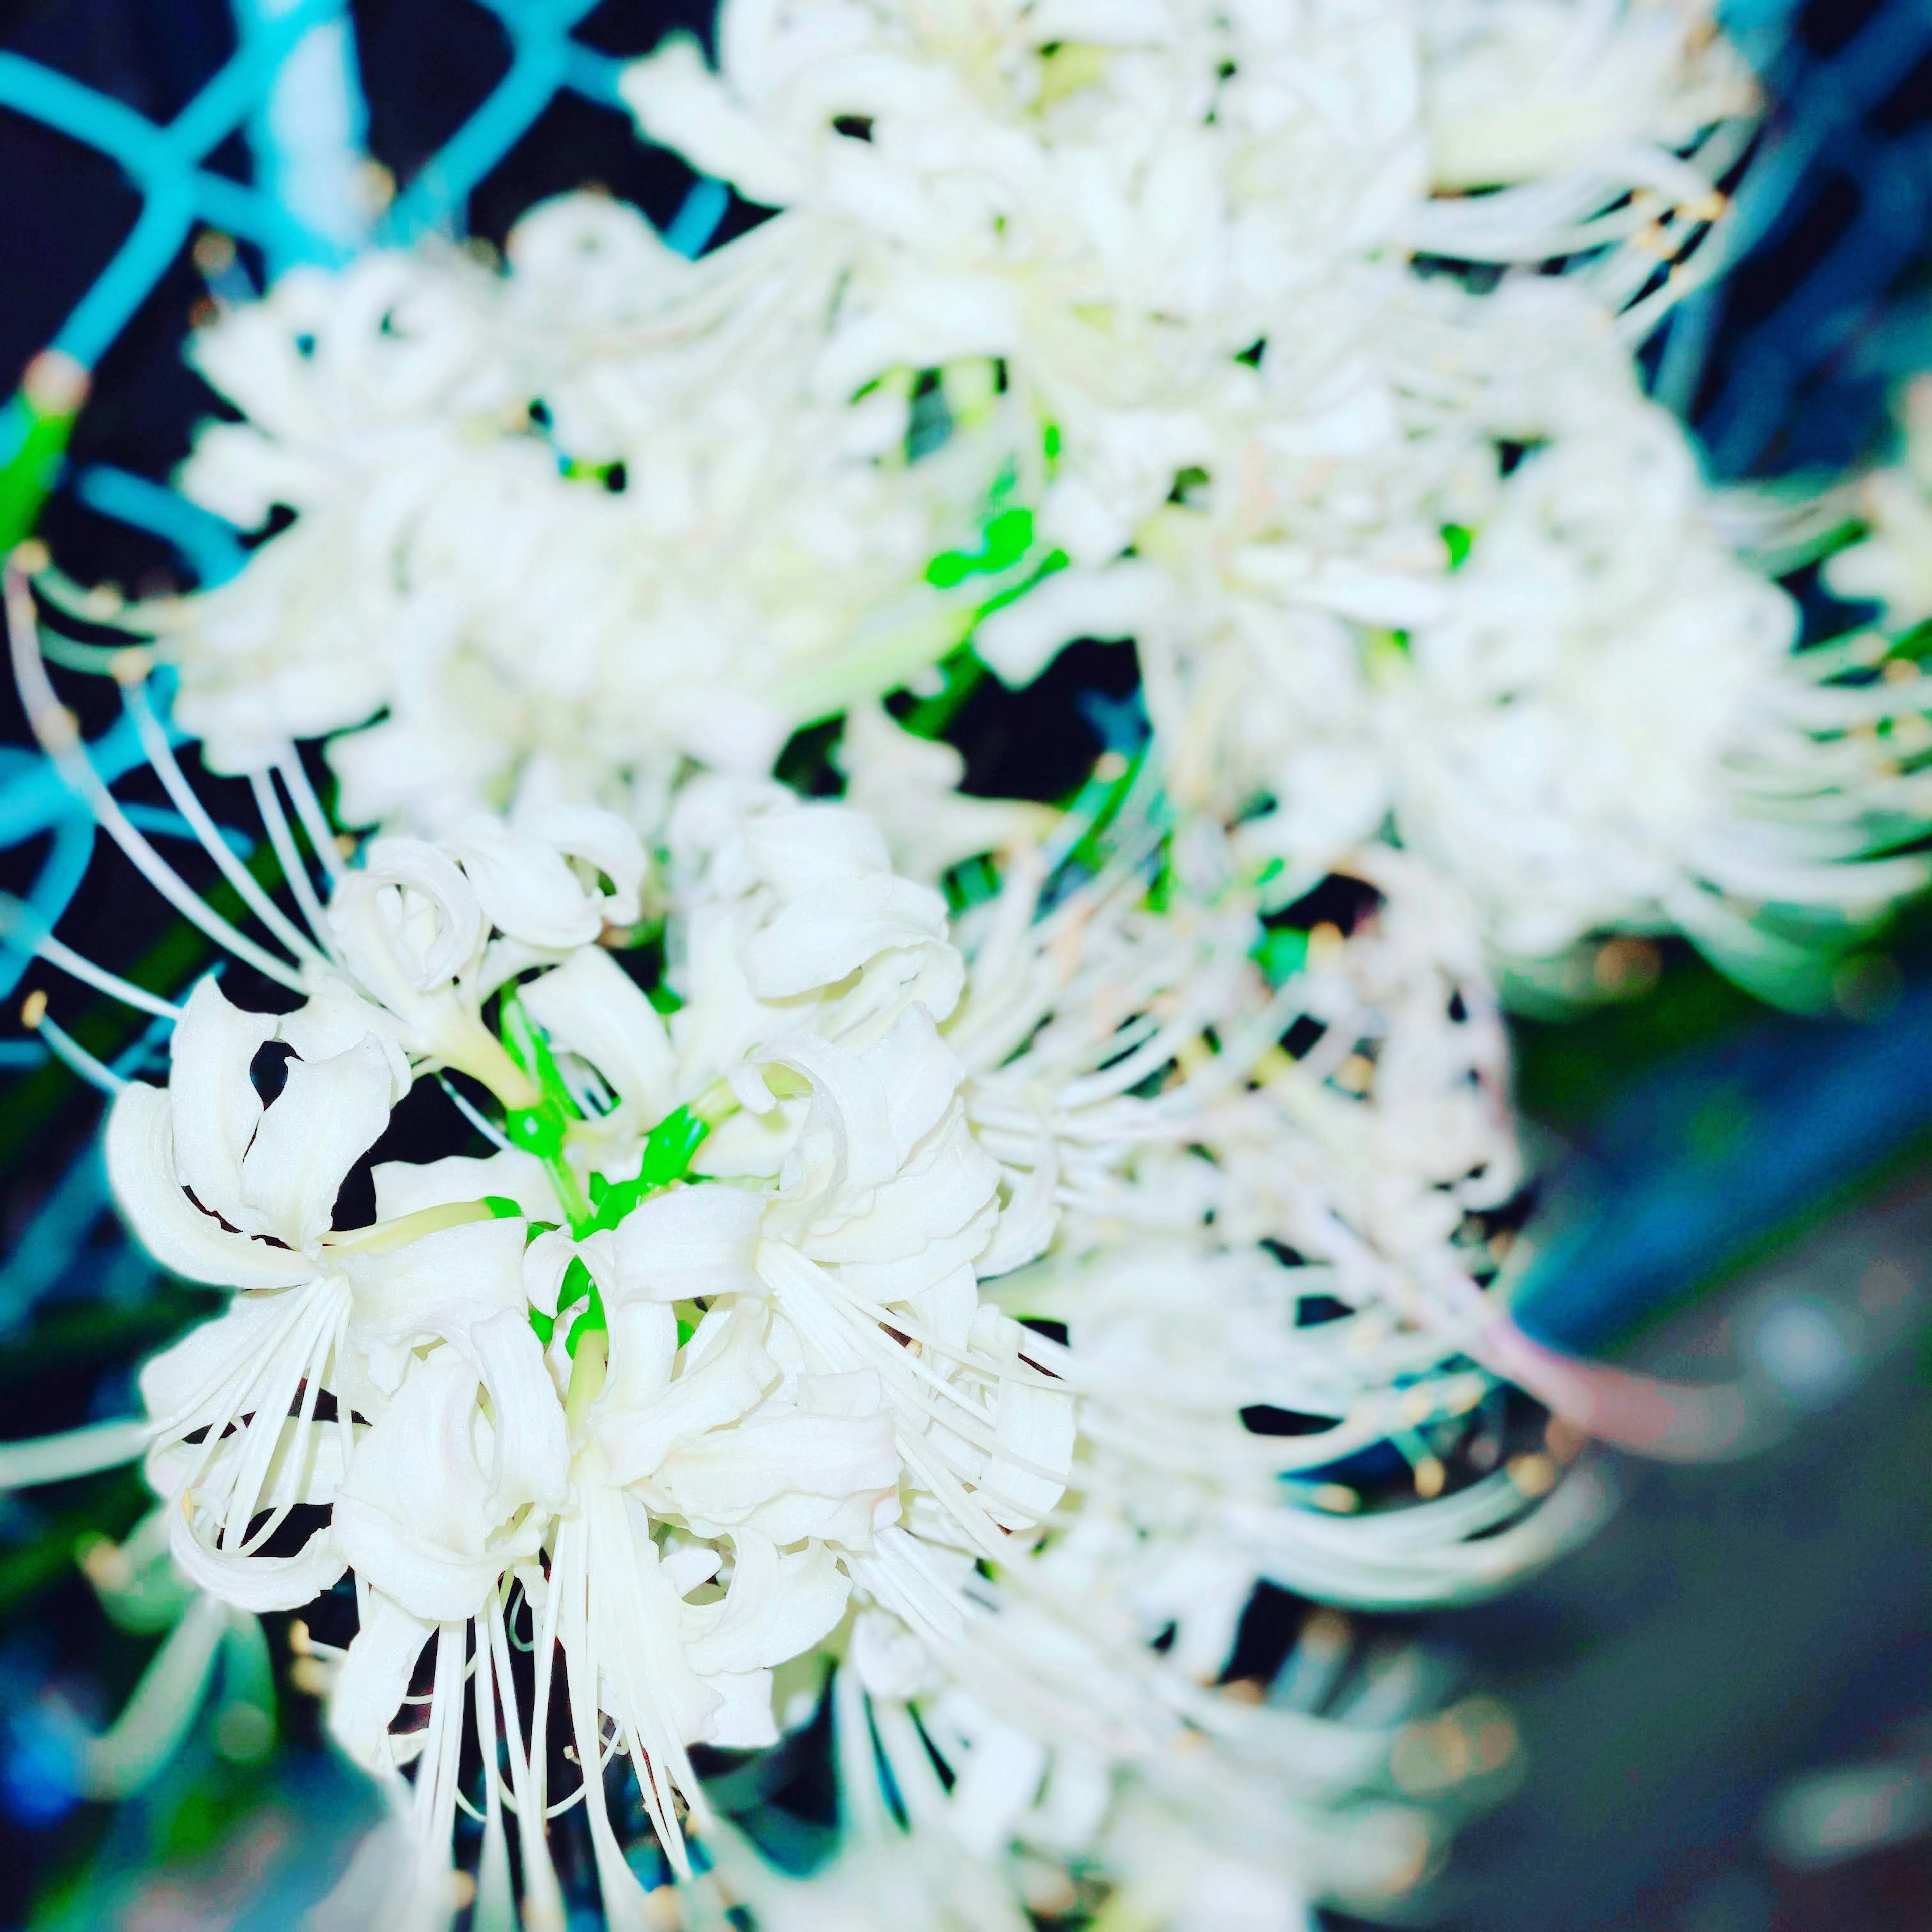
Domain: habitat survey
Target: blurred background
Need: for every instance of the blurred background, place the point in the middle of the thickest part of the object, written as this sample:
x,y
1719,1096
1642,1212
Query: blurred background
x,y
1723,1701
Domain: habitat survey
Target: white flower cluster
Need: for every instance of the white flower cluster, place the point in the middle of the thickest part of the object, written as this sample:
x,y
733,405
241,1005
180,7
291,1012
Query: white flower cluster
x,y
951,1316
1221,328
919,1308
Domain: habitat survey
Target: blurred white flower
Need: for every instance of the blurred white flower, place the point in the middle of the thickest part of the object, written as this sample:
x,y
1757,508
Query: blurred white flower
x,y
547,536
1891,562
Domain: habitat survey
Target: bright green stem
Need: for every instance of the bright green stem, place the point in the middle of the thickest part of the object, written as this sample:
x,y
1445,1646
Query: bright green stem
x,y
668,1151
542,1129
34,428
930,716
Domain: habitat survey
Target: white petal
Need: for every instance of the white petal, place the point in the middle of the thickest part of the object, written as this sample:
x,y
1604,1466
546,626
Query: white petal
x,y
370,929
788,1476
814,845
374,1679
524,885
417,1514
438,1284
592,1006
328,1113
531,1456
688,1241
776,1608
546,1261
1028,1217
259,1583
817,939
337,1018
216,1107
141,1170
600,838
710,1392
743,1720
643,1347
406,1187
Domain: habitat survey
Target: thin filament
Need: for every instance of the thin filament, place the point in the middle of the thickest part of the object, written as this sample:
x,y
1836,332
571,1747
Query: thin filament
x,y
308,809
59,737
275,822
15,916
160,755
67,1049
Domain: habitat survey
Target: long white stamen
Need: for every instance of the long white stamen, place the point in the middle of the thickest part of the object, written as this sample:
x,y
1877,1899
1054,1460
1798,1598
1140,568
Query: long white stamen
x,y
495,1911
59,736
435,1805
275,822
67,1048
480,1121
78,1452
18,922
862,1803
546,1661
288,1487
174,782
308,809
543,1899
323,1326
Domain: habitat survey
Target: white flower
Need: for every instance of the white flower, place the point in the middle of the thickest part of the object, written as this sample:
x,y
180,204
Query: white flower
x,y
1592,715
1892,563
691,1383
1608,727
563,552
1597,127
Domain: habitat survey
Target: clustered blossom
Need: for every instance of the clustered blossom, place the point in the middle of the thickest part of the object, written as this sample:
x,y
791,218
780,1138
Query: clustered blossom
x,y
941,1260
1084,321
574,516
895,1307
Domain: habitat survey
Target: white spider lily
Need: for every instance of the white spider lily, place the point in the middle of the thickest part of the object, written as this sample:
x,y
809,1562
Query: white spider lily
x,y
464,1462
1597,127
1118,202
586,538
1891,562
1560,758
613,508
1524,719
673,1434
790,903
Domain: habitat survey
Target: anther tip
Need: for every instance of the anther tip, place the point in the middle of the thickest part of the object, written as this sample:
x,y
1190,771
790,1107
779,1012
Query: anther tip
x,y
34,1009
30,557
131,667
55,383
